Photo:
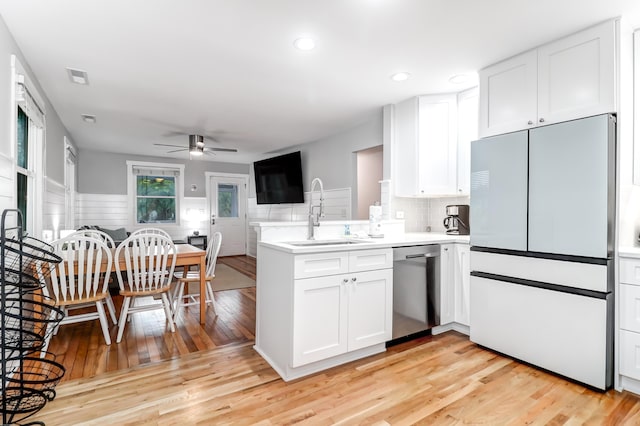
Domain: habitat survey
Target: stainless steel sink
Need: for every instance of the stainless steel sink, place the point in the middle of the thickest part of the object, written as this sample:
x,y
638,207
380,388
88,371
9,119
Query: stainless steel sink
x,y
311,243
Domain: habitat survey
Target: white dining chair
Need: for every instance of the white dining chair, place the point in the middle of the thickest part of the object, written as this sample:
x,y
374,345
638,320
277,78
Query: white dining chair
x,y
95,233
150,260
81,279
185,278
156,231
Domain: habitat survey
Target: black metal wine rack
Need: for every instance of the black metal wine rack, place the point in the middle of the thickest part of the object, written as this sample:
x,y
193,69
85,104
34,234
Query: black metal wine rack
x,y
29,374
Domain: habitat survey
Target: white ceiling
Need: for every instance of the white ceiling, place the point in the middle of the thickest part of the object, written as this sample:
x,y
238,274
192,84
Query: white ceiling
x,y
228,69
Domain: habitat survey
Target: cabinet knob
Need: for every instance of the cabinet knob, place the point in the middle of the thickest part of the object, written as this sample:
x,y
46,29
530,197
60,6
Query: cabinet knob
x,y
344,281
529,122
353,279
446,249
541,120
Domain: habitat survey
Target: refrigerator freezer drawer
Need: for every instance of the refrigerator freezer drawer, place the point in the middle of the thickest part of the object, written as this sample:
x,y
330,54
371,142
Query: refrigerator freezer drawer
x,y
584,276
561,332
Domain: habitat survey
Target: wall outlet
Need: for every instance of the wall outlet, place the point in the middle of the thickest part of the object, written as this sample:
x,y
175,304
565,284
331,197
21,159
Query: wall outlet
x,y
399,214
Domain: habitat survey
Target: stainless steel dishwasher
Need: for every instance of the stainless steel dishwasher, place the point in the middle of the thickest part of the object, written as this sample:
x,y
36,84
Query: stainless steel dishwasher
x,y
416,290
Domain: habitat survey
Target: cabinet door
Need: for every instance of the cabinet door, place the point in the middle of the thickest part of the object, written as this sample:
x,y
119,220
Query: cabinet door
x,y
370,308
447,304
467,132
405,168
508,95
462,271
319,318
576,75
437,145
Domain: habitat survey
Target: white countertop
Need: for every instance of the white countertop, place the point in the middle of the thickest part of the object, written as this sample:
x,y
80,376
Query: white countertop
x,y
399,240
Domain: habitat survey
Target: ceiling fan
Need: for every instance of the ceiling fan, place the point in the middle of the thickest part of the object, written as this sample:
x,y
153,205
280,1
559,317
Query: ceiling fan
x,y
196,147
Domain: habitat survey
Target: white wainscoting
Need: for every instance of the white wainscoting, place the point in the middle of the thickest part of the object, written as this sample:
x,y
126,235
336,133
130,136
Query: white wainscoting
x,y
54,212
337,206
104,210
7,183
111,211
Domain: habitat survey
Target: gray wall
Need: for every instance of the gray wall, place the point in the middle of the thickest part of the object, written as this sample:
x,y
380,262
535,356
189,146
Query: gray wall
x,y
106,173
55,130
333,159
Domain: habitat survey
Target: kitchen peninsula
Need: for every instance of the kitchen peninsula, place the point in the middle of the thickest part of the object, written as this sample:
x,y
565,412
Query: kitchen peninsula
x,y
322,303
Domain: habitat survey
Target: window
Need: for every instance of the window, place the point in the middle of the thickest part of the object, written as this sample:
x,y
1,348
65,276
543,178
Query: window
x,y
29,145
155,199
227,200
155,192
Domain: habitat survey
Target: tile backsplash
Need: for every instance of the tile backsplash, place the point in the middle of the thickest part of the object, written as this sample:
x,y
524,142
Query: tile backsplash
x,y
420,213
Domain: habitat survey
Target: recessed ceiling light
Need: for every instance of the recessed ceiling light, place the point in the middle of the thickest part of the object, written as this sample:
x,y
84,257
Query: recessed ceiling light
x,y
400,76
88,118
78,76
459,78
304,43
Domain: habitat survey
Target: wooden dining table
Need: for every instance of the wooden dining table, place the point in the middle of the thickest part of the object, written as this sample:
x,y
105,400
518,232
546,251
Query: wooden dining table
x,y
187,255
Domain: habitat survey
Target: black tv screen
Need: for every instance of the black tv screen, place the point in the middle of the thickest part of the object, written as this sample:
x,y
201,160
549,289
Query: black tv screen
x,y
279,179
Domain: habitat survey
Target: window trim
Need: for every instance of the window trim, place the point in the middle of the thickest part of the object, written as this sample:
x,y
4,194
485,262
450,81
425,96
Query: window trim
x,y
132,196
36,164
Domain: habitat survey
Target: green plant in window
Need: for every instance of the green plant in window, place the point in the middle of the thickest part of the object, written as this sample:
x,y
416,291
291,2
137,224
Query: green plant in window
x,y
156,186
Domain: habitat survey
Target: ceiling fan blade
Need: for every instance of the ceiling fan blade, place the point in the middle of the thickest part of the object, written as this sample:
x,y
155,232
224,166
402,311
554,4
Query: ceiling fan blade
x,y
177,150
221,149
165,144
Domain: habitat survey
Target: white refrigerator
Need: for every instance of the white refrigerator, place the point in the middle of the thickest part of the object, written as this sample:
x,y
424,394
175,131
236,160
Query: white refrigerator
x,y
542,231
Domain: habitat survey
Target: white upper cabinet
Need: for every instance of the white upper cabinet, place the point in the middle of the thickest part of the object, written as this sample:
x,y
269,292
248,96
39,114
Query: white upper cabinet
x,y
570,78
508,95
426,146
467,132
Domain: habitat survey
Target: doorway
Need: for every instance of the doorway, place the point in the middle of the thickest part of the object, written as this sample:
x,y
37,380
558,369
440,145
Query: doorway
x,y
227,200
369,175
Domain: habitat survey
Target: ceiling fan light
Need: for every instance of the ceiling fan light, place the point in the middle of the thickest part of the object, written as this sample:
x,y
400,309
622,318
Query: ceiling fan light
x,y
196,145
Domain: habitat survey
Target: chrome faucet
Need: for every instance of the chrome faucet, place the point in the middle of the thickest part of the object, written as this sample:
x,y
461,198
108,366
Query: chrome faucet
x,y
314,220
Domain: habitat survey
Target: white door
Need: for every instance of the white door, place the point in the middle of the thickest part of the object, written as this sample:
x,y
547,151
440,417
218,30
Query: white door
x,y
228,206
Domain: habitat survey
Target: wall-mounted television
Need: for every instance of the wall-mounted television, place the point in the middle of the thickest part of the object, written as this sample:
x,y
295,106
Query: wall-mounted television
x,y
279,179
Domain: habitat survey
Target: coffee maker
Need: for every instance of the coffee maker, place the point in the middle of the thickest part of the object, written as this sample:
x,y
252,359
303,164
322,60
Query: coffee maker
x,y
457,220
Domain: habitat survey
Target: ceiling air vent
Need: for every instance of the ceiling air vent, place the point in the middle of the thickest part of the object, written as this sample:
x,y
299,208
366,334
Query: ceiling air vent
x,y
88,118
78,76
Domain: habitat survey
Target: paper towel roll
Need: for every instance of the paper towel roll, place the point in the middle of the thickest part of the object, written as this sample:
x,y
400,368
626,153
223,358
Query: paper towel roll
x,y
375,217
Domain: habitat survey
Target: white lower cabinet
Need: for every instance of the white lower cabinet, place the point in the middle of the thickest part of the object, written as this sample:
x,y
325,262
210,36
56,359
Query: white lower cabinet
x,y
447,295
629,315
454,288
461,283
318,310
340,313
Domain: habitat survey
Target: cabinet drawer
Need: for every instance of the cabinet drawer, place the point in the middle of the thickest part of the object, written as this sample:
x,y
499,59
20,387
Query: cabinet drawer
x,y
367,260
630,307
319,264
630,271
630,354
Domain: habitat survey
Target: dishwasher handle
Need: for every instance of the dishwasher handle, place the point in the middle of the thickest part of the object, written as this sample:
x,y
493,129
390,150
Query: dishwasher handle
x,y
416,256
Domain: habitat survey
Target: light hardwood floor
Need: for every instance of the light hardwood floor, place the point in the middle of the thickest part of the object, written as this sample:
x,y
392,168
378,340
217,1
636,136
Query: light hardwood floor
x,y
213,376
81,349
437,380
